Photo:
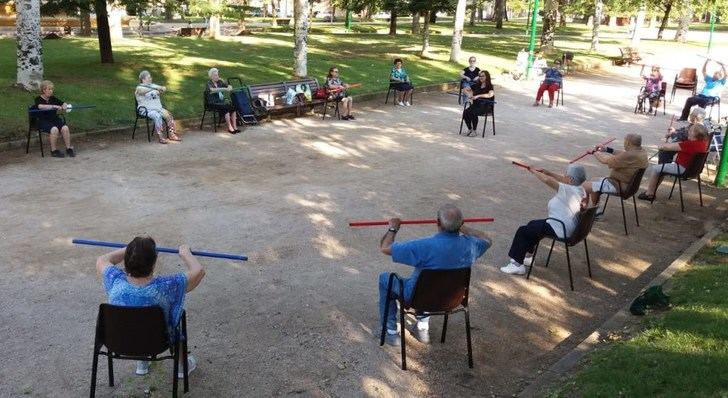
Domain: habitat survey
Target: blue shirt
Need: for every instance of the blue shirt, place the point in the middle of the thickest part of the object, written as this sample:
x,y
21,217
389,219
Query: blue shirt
x,y
553,75
712,87
398,74
443,250
167,291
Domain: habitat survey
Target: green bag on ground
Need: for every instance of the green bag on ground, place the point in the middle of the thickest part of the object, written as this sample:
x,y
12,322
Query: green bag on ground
x,y
653,298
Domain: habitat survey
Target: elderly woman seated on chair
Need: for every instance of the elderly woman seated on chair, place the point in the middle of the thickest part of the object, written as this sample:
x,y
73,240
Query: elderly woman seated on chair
x,y
696,143
49,121
481,97
147,95
136,285
563,214
214,91
337,91
697,116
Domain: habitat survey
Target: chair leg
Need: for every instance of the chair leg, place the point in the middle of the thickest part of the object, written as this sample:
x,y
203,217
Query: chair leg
x,y
604,208
135,127
40,140
548,259
94,368
185,365
27,144
444,329
386,311
568,265
624,216
462,119
700,192
175,369
533,260
467,335
588,264
682,205
493,122
387,98
149,137
636,216
485,124
202,122
111,370
672,189
326,107
460,95
403,338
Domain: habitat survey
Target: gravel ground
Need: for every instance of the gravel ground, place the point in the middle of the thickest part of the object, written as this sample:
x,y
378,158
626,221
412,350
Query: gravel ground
x,y
300,317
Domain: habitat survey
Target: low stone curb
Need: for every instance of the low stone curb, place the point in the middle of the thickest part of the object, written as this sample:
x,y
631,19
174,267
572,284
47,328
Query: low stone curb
x,y
623,316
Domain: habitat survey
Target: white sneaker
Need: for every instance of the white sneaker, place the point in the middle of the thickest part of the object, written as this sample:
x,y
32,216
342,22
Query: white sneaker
x,y
527,261
514,268
191,365
400,103
142,368
407,104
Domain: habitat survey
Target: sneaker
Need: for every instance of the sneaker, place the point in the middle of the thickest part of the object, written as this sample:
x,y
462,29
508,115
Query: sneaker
x,y
191,365
351,117
407,104
551,104
142,368
70,153
536,103
422,335
400,103
392,339
57,154
527,261
514,268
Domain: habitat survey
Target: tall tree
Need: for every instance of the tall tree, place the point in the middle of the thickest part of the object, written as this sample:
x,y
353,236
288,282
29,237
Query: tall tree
x,y
550,19
498,13
686,14
104,33
457,34
393,6
29,61
426,35
416,23
300,37
598,13
665,18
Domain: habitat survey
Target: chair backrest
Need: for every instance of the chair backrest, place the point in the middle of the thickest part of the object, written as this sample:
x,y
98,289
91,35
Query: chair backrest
x,y
663,89
583,226
441,289
696,166
634,184
688,75
32,117
132,331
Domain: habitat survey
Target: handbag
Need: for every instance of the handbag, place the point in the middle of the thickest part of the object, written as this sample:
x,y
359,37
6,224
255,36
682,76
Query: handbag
x,y
320,93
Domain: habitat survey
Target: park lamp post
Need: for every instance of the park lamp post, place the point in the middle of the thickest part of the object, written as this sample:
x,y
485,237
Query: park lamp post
x,y
532,44
712,28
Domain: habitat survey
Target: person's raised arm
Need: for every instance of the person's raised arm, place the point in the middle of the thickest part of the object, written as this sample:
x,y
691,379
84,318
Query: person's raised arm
x,y
705,67
722,67
465,230
550,181
112,258
385,244
195,272
603,157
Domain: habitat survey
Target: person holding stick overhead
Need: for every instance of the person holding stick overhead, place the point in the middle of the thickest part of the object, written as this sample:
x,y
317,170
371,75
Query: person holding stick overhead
x,y
564,206
622,166
136,286
453,246
713,87
481,97
696,143
49,122
215,92
402,83
337,90
147,95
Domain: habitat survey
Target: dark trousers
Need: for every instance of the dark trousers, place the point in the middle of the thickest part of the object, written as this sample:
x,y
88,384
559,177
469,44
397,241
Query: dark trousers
x,y
665,156
699,100
527,237
471,113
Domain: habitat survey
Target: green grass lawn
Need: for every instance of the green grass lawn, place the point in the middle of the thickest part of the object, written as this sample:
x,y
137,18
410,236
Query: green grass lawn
x,y
182,63
681,353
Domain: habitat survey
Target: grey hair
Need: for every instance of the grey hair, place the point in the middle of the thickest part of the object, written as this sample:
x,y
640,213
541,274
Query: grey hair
x,y
634,139
577,174
698,114
143,74
450,218
211,72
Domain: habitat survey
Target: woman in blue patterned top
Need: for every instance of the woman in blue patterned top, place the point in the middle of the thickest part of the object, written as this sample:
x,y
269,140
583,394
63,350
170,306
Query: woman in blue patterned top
x,y
403,84
136,286
337,90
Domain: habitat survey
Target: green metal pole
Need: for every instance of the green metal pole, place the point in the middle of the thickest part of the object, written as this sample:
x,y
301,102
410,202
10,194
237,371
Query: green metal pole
x,y
723,166
532,44
348,20
712,28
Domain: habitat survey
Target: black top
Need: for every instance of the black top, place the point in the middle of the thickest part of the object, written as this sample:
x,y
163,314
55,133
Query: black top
x,y
218,97
478,89
51,114
471,74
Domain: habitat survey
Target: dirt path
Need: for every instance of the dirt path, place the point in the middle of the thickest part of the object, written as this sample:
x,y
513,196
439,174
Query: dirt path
x,y
301,316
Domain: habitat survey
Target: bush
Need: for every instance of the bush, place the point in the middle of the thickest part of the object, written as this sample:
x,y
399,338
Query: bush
x,y
363,28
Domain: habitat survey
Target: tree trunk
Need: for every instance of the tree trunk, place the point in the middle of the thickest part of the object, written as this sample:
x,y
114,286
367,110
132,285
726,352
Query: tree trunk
x,y
562,13
457,33
426,35
393,22
473,11
29,45
104,33
85,23
274,12
213,27
505,10
168,10
480,13
598,10
550,10
665,19
612,21
653,22
498,14
686,13
639,23
333,12
300,37
433,16
416,23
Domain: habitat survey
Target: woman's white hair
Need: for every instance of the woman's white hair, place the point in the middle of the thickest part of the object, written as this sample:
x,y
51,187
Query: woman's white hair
x,y
143,74
211,72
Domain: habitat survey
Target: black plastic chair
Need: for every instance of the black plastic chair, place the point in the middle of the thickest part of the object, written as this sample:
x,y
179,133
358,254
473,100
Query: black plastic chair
x,y
582,230
336,101
693,171
141,113
438,292
208,107
629,191
715,101
485,122
33,125
138,333
392,89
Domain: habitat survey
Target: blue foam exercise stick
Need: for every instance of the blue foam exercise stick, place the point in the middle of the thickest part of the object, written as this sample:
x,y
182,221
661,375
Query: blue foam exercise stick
x,y
160,249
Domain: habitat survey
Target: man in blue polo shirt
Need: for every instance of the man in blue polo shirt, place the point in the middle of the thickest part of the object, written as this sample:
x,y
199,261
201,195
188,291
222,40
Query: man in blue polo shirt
x,y
713,87
454,246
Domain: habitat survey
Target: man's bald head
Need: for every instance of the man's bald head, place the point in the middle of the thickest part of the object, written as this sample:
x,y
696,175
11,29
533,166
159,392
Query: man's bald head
x,y
449,218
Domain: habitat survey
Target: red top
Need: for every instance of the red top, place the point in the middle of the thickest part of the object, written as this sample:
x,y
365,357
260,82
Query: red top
x,y
688,149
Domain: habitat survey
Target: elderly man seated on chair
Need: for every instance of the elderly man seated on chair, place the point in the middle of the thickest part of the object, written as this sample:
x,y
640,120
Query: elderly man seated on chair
x,y
454,246
622,166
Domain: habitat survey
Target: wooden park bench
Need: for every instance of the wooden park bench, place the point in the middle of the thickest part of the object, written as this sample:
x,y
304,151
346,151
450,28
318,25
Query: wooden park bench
x,y
275,95
283,21
628,56
190,31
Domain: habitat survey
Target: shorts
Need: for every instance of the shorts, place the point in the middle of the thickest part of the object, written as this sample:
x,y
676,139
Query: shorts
x,y
46,125
668,168
608,187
